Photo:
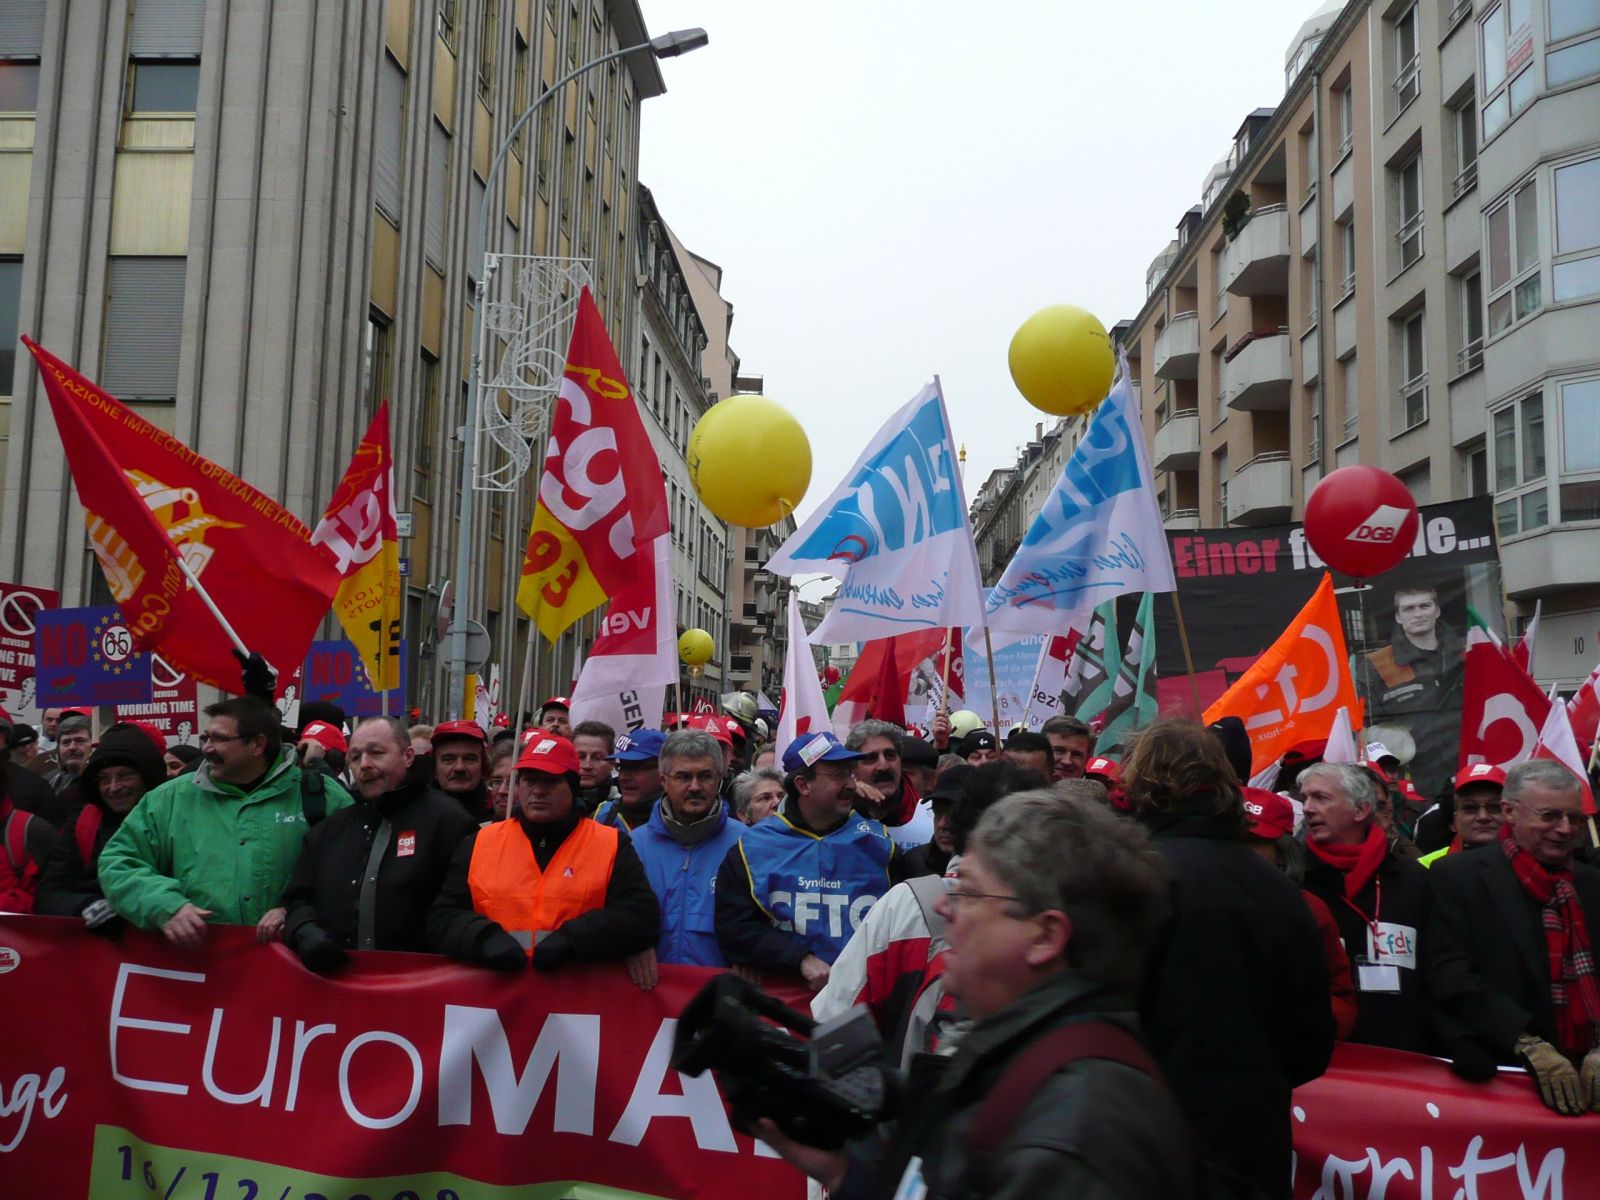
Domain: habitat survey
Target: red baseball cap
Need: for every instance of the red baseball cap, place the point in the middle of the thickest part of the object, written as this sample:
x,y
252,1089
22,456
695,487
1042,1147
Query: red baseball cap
x,y
1271,815
556,702
502,721
1305,751
713,725
459,729
1103,768
550,753
325,735
1480,773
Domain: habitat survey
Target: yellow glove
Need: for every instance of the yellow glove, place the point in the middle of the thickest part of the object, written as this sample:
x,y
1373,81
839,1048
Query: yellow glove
x,y
1590,1079
1559,1085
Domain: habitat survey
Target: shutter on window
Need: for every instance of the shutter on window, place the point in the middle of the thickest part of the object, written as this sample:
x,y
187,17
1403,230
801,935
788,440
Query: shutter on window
x,y
167,27
387,153
438,193
22,27
144,328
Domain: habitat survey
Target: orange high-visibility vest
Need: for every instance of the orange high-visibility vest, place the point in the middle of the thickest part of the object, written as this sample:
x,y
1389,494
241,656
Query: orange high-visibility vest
x,y
509,888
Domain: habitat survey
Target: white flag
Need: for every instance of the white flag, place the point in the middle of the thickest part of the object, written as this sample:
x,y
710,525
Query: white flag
x,y
801,709
634,660
1341,747
895,534
1098,535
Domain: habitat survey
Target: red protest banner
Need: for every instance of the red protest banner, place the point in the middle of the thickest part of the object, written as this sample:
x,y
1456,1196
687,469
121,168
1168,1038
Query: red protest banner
x,y
19,610
147,1071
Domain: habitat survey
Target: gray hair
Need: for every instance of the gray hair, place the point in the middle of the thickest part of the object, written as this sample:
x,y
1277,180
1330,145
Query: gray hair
x,y
744,787
73,724
1359,788
1090,791
862,731
1540,772
946,761
1078,857
690,743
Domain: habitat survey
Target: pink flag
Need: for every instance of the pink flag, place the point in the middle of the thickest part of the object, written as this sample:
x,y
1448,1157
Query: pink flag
x,y
1583,710
1556,742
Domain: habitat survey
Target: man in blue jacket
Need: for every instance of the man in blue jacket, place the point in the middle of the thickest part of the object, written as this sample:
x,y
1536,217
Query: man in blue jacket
x,y
796,886
681,846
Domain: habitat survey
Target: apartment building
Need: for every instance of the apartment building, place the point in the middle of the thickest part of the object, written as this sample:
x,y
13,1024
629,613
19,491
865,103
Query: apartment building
x,y
1007,502
1399,265
255,220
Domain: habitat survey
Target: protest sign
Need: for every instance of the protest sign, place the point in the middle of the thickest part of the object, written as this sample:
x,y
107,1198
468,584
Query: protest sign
x,y
174,706
333,671
1016,666
86,656
19,610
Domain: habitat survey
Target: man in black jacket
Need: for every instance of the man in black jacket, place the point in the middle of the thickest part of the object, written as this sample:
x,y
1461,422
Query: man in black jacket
x,y
1503,915
368,874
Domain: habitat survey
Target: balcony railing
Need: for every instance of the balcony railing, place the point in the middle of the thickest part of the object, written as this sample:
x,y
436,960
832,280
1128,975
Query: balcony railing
x,y
1470,356
1409,81
1411,403
1468,179
1409,235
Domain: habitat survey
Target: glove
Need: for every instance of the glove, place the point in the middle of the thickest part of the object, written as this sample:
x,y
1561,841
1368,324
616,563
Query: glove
x,y
259,677
1559,1085
1590,1078
502,952
98,913
1471,1060
319,952
555,951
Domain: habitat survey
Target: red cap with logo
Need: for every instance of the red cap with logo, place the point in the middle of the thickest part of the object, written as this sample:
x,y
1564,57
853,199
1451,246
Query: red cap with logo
x,y
1103,768
325,735
550,753
556,702
501,721
1480,773
1271,815
713,725
459,729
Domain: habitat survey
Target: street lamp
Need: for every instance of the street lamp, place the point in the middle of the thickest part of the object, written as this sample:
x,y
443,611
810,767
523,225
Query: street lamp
x,y
668,45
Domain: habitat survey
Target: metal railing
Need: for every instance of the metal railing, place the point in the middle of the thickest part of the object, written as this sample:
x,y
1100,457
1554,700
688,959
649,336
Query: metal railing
x,y
1409,235
1470,356
1467,179
1412,407
1408,83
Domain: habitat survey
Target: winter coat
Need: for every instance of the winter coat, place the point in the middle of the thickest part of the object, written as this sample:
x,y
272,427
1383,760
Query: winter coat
x,y
1095,1128
683,878
26,843
31,793
1236,999
196,840
368,874
69,884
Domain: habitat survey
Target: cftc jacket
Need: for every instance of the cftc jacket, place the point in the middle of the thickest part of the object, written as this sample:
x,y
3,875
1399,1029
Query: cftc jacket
x,y
195,840
684,878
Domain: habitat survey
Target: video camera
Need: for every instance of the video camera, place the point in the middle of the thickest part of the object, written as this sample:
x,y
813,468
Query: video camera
x,y
822,1084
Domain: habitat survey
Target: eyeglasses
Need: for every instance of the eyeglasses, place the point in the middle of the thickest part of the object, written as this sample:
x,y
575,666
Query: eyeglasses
x,y
1472,810
1552,816
685,778
220,737
959,896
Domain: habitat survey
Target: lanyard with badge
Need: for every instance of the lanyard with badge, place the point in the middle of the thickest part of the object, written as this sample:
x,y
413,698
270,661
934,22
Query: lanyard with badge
x,y
1389,947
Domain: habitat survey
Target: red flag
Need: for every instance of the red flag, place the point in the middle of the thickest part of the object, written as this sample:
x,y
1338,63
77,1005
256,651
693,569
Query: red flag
x,y
1557,744
1501,707
1583,710
1522,652
888,699
883,671
149,498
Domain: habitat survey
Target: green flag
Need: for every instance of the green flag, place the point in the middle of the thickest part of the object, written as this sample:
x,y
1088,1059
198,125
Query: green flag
x,y
1094,665
1133,702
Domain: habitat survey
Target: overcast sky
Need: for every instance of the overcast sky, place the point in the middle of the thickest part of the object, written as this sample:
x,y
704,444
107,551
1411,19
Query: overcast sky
x,y
892,187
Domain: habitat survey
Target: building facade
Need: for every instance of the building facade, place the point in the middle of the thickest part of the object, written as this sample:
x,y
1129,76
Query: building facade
x,y
1008,501
254,221
1400,265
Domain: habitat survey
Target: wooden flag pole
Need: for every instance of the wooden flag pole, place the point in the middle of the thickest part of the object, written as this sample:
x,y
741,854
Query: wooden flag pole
x,y
994,689
1594,756
1188,659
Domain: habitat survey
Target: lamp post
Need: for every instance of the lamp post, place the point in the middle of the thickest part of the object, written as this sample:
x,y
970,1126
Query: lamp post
x,y
668,45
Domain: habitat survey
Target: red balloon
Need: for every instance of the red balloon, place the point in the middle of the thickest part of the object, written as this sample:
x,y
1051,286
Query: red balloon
x,y
1361,521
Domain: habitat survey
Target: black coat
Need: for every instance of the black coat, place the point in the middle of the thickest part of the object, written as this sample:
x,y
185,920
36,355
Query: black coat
x,y
1235,1006
1400,1020
628,922
1485,956
334,887
31,794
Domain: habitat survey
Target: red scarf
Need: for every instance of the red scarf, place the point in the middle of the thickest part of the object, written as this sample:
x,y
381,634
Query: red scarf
x,y
1573,988
1358,863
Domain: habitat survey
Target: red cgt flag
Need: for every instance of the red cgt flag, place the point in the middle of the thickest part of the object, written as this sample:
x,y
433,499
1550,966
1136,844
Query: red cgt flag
x,y
149,498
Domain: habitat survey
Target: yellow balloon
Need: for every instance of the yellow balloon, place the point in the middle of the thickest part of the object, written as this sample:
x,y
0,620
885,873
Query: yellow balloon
x,y
695,647
749,460
1061,360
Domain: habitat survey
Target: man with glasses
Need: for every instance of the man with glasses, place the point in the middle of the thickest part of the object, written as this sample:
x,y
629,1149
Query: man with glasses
x,y
1475,811
219,844
1509,958
681,846
796,886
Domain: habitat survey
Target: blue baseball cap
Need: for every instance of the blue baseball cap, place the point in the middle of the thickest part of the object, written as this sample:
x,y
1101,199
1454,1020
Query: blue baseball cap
x,y
811,748
641,745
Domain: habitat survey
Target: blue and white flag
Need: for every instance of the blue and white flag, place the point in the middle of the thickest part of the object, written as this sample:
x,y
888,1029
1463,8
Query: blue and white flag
x,y
1098,536
895,534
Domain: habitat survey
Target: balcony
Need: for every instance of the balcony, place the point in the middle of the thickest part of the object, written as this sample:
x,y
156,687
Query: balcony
x,y
1177,445
1257,377
1256,262
1182,518
1259,492
1554,559
1178,348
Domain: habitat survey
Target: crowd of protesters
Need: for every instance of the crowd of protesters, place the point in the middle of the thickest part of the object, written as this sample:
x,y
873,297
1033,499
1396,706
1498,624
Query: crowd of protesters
x,y
1239,932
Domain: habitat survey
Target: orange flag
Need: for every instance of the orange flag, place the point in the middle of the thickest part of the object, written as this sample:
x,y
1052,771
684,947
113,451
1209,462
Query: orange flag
x,y
1293,692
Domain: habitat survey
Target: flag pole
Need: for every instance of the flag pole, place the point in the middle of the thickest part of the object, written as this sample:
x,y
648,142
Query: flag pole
x,y
205,597
525,687
944,675
1188,659
994,688
1594,756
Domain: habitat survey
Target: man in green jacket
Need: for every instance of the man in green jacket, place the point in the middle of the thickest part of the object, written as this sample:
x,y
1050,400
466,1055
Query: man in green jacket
x,y
221,843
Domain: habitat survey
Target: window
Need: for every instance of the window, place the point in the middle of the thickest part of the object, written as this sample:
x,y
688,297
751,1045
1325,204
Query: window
x,y
1464,121
488,50
1470,357
10,314
1344,119
1409,188
1576,272
1478,472
1522,497
1577,21
520,97
1219,462
1407,80
427,415
1506,35
1412,407
1514,285
163,85
1349,398
449,12
378,369
1347,259
1580,449
144,327
19,85
389,144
